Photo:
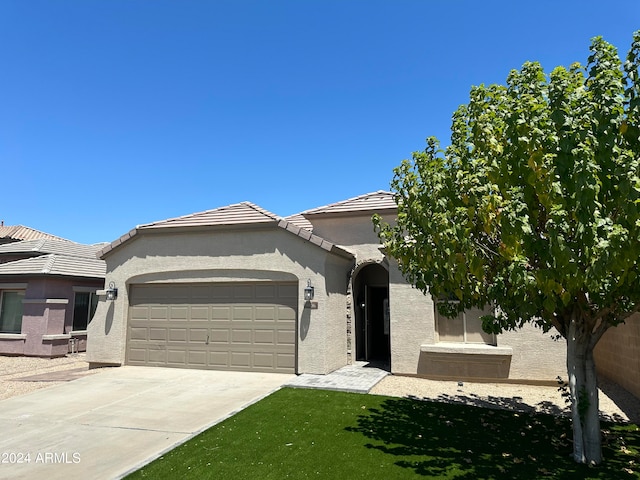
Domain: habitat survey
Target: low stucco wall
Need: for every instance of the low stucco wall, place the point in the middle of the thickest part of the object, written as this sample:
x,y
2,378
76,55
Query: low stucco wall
x,y
12,343
617,355
224,256
522,356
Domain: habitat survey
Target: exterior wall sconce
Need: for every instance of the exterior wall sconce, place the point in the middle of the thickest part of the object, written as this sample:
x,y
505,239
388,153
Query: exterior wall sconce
x,y
308,292
112,292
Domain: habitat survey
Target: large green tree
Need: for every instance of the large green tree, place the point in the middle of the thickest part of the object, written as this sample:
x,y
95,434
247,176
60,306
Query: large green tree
x,y
534,209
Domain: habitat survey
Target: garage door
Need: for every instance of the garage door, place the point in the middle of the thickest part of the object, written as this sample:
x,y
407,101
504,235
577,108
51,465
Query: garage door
x,y
232,326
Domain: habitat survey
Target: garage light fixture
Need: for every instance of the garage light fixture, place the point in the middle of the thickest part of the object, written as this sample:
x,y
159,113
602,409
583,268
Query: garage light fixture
x,y
112,291
308,292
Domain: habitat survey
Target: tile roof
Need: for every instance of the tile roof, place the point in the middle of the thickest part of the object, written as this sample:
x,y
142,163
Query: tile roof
x,y
45,246
315,239
238,214
368,202
299,221
20,232
53,264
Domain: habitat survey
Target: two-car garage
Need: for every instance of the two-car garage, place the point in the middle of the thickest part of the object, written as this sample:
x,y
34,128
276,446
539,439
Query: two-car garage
x,y
247,326
222,290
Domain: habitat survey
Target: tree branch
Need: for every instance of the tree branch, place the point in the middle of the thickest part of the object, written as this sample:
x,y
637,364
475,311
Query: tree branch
x,y
559,326
597,333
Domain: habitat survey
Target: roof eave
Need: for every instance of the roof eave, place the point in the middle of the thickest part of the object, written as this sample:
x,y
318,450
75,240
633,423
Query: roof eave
x,y
51,275
117,243
315,240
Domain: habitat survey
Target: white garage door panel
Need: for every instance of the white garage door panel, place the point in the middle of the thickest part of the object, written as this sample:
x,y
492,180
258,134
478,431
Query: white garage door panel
x,y
214,326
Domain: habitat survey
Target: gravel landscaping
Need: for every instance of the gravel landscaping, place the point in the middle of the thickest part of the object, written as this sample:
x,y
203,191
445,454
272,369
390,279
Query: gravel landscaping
x,y
20,375
615,403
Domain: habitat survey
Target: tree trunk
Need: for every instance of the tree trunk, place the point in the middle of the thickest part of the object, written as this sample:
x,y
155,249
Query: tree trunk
x,y
581,368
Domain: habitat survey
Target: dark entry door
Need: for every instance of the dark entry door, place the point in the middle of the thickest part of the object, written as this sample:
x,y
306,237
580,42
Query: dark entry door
x,y
377,323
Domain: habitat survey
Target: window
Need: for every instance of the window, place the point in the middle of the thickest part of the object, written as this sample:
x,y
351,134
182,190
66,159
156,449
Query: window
x,y
11,311
466,327
83,309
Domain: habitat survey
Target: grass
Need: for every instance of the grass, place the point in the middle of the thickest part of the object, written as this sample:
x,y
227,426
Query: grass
x,y
298,434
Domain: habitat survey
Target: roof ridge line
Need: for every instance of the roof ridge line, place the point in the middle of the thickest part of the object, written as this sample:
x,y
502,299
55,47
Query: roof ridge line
x,y
342,202
182,217
39,244
48,266
264,211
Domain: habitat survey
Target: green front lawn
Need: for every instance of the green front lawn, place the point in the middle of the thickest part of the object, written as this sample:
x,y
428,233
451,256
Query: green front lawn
x,y
299,433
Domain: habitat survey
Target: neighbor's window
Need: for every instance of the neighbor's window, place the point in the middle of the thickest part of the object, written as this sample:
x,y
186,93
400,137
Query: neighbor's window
x,y
466,327
11,311
83,309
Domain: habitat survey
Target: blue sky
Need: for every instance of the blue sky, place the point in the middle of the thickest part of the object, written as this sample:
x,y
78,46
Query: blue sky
x,y
118,113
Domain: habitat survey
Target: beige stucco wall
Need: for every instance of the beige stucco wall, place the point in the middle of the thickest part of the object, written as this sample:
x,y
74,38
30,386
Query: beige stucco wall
x,y
241,255
335,333
412,323
617,355
412,314
356,231
525,355
536,355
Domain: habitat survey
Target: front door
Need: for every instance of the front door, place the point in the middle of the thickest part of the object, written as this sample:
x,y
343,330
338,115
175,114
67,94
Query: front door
x,y
377,323
372,325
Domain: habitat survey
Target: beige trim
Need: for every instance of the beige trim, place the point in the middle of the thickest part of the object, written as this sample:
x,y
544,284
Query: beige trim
x,y
466,348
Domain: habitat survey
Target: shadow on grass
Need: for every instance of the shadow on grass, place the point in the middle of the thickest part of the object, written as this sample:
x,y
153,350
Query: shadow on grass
x,y
505,403
462,442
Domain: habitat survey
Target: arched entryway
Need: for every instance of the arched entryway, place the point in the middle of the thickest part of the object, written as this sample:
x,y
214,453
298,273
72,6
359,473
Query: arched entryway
x,y
372,325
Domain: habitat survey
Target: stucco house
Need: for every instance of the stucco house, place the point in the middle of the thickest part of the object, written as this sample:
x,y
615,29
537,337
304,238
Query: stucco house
x,y
47,295
241,288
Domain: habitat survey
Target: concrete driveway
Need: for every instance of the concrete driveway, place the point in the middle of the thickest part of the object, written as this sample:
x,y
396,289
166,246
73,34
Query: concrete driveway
x,y
111,423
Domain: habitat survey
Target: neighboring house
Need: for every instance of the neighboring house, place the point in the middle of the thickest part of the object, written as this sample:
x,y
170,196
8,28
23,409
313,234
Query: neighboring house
x,y
16,233
47,295
225,289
